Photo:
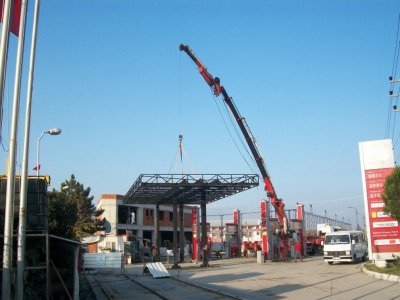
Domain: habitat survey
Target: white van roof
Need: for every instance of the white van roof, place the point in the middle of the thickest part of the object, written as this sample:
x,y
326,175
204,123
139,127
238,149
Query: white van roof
x,y
344,232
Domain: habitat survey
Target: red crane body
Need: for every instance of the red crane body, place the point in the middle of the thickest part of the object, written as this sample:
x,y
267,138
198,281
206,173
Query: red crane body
x,y
218,89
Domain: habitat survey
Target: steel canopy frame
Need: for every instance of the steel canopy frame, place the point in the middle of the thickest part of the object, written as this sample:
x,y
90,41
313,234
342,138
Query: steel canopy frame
x,y
187,188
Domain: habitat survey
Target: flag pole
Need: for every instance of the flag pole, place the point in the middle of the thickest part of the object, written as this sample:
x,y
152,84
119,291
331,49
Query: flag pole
x,y
9,205
25,158
5,36
22,208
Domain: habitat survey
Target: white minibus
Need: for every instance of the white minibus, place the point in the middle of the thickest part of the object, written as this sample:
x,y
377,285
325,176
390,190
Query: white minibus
x,y
345,246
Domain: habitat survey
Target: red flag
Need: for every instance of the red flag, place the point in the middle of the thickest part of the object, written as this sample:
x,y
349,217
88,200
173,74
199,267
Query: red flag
x,y
15,15
36,168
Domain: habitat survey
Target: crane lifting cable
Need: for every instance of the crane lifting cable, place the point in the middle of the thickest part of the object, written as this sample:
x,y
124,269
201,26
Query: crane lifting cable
x,y
277,203
180,157
237,134
233,123
181,160
180,145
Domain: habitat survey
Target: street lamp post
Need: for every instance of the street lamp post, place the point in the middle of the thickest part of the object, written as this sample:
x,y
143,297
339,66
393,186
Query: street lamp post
x,y
54,131
356,211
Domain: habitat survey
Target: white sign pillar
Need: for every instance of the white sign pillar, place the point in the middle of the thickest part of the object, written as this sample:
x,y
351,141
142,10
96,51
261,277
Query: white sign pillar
x,y
377,162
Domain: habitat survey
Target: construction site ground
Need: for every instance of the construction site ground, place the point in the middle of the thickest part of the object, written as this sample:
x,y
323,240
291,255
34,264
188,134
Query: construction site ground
x,y
244,278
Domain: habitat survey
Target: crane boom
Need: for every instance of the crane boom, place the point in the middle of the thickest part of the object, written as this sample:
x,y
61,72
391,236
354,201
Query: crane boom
x,y
218,89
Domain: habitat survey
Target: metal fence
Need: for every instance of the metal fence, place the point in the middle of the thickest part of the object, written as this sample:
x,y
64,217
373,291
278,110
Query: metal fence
x,y
311,221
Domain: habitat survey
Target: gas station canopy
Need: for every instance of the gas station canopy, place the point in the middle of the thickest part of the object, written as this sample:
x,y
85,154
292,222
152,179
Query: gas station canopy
x,y
187,188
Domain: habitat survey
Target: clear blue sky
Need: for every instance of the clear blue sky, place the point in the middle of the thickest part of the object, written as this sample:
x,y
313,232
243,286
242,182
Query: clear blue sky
x,y
309,76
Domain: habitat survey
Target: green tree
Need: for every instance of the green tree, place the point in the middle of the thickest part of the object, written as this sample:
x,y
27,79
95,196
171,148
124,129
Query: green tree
x,y
71,211
391,194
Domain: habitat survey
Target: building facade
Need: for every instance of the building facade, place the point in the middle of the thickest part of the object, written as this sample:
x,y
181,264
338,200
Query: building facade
x,y
134,226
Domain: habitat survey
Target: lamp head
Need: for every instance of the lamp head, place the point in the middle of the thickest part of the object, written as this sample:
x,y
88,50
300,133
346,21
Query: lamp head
x,y
54,131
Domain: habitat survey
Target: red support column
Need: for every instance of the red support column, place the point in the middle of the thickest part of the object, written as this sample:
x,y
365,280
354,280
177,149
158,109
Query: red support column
x,y
300,217
196,233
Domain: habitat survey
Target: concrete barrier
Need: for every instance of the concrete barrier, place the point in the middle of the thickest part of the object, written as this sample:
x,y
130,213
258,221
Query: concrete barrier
x,y
382,276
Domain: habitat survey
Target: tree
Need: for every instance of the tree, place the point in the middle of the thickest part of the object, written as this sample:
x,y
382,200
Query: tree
x,y
391,194
62,215
71,211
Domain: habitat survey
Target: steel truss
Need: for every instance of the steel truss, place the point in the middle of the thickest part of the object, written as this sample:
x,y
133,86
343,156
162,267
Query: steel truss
x,y
187,188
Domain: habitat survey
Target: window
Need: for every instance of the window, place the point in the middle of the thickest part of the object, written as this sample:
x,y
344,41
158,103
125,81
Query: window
x,y
133,217
171,216
147,212
337,239
354,238
123,214
126,214
161,215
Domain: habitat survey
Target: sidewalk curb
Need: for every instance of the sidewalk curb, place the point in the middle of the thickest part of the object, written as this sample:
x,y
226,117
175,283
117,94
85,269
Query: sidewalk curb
x,y
382,276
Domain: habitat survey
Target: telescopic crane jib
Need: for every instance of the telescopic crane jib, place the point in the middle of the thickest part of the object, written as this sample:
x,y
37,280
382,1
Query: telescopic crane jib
x,y
218,89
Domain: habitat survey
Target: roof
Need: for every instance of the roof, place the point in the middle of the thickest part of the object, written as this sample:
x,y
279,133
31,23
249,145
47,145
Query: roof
x,y
344,232
90,239
187,188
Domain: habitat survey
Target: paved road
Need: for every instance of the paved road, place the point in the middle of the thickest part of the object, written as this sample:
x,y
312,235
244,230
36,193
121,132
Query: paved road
x,y
311,279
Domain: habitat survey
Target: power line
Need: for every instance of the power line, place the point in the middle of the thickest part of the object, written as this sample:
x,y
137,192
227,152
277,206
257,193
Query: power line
x,y
396,50
393,98
334,200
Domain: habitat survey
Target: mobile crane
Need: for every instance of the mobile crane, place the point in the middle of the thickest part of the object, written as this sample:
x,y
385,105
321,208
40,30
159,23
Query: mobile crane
x,y
277,203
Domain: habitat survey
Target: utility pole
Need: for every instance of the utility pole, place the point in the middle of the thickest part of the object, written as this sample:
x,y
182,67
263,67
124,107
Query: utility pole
x,y
221,230
356,211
